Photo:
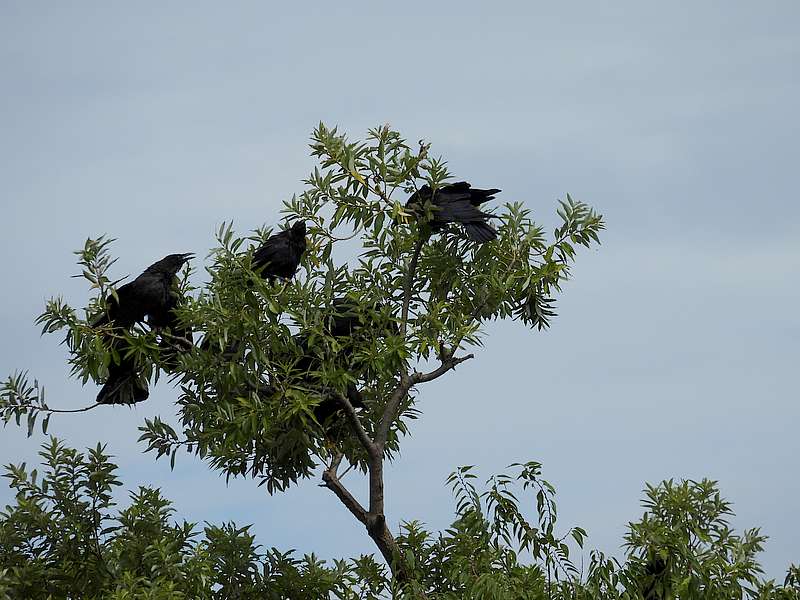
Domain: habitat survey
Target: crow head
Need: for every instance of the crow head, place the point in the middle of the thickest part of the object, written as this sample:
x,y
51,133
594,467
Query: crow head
x,y
170,264
298,230
416,201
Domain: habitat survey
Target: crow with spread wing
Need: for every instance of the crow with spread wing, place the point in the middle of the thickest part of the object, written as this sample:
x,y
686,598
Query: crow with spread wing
x,y
455,203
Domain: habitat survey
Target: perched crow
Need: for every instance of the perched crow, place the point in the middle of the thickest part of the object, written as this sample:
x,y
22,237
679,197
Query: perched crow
x,y
655,582
280,255
456,203
150,295
343,320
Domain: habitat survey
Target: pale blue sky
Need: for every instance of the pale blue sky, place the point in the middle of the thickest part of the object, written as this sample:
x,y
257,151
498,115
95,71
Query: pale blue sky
x,y
676,350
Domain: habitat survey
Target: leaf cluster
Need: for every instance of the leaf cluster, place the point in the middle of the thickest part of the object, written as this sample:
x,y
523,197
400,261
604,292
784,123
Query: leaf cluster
x,y
65,538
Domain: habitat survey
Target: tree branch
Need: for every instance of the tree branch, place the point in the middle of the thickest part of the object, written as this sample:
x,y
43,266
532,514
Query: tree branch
x,y
331,481
177,338
409,284
404,383
355,424
65,410
391,409
373,520
448,363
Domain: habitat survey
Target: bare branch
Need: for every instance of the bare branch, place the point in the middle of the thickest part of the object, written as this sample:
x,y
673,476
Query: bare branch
x,y
391,409
406,382
450,362
355,424
331,481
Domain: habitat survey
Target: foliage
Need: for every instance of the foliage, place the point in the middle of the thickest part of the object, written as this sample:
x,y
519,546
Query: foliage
x,y
685,532
66,538
492,550
421,298
241,405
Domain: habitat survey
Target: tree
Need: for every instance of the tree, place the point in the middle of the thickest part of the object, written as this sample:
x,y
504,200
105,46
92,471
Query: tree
x,y
420,295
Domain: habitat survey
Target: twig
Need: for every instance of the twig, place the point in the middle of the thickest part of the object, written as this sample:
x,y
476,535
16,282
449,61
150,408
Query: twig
x,y
346,471
72,410
176,338
333,238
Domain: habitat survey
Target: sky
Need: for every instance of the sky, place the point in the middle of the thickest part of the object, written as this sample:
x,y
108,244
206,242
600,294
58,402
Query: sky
x,y
675,353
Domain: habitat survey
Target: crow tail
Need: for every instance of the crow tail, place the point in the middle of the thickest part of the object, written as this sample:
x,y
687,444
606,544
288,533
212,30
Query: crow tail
x,y
478,196
480,232
123,388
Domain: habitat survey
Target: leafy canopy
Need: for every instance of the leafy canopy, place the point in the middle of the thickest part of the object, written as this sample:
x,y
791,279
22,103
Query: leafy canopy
x,y
421,298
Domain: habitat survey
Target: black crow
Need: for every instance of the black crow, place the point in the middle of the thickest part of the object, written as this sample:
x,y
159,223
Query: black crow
x,y
455,203
150,295
655,579
280,255
343,320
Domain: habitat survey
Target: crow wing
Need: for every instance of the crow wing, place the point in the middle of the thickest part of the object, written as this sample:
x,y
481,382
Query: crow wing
x,y
277,257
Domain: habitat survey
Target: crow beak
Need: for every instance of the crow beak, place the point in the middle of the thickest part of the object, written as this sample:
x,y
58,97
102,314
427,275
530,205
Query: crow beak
x,y
188,255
